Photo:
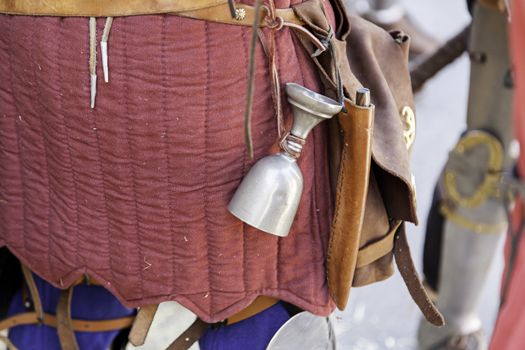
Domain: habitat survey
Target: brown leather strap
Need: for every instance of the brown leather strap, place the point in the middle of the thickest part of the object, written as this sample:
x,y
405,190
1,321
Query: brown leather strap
x,y
415,287
97,8
197,329
66,334
221,14
260,304
376,250
209,10
190,336
142,324
33,290
30,318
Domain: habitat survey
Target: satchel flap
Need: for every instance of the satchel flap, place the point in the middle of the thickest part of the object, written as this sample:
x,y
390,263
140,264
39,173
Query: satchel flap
x,y
381,64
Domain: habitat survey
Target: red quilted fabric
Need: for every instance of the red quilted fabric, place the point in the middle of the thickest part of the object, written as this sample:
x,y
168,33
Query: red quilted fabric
x,y
134,192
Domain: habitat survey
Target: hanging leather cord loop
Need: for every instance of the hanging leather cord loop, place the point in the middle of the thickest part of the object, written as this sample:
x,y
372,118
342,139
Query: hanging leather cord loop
x,y
275,23
251,82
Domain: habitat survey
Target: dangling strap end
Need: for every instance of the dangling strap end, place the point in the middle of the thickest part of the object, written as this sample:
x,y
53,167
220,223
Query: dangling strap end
x,y
93,89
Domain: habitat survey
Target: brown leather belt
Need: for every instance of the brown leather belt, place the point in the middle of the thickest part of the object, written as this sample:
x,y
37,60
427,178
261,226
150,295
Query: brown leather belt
x,y
29,318
208,10
145,316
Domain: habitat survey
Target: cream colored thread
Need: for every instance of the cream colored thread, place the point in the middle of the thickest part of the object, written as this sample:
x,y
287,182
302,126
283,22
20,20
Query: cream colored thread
x,y
93,59
104,48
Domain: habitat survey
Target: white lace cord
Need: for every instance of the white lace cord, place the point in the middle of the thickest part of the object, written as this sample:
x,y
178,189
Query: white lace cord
x,y
93,58
104,48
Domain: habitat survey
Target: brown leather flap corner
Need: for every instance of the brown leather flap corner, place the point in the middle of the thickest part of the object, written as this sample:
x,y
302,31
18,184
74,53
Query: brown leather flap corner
x,y
377,249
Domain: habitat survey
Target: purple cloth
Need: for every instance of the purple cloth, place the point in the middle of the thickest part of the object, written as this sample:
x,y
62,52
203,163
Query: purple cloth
x,y
253,333
89,303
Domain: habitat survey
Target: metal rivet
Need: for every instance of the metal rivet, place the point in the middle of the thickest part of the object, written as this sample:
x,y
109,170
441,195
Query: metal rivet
x,y
240,14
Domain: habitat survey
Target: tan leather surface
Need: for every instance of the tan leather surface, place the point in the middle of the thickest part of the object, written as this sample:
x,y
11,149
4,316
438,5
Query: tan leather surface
x,y
31,318
96,8
375,226
351,193
209,10
375,250
141,325
221,14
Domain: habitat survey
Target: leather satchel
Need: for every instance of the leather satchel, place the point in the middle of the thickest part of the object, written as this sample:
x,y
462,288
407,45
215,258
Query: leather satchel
x,y
369,154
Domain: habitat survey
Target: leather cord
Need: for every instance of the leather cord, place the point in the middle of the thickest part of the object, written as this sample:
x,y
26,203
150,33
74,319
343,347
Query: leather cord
x,y
66,334
275,23
378,249
251,82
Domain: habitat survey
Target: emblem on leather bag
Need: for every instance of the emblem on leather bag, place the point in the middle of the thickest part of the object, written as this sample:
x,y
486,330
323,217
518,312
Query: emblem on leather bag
x,y
409,119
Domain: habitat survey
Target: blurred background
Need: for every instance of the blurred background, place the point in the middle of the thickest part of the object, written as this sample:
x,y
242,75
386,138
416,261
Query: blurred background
x,y
382,316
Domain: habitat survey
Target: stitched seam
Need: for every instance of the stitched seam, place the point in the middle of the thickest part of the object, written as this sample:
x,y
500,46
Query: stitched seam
x,y
166,144
18,138
205,193
68,140
336,219
38,97
103,177
244,227
133,174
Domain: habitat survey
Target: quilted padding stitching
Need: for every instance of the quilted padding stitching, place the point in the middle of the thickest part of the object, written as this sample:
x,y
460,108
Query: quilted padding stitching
x,y
313,212
125,30
38,114
15,102
71,168
166,148
205,192
98,161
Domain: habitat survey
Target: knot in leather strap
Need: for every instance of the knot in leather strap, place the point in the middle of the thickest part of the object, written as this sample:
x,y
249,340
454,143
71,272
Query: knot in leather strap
x,y
325,41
